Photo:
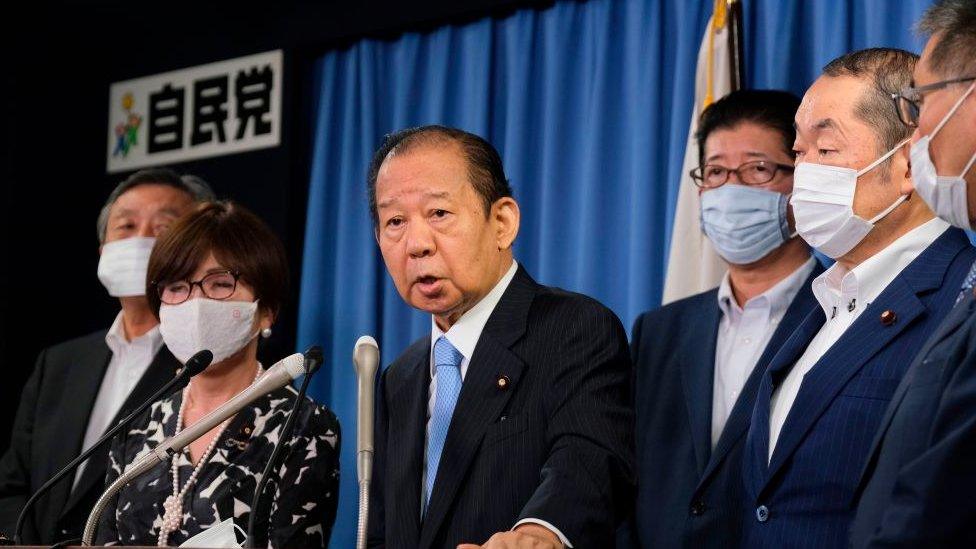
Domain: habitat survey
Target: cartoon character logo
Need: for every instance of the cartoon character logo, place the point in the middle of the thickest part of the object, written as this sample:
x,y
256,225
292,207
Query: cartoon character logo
x,y
127,133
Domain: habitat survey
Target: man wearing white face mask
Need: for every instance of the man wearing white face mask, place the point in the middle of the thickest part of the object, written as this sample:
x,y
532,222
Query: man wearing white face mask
x,y
698,360
79,388
916,488
897,274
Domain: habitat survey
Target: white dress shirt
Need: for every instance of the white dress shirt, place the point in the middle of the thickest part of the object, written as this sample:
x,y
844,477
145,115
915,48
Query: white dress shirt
x,y
844,295
130,360
464,336
743,333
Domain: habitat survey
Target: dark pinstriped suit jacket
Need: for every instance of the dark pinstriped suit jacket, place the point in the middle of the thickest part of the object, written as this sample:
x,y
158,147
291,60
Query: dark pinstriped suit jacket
x,y
808,487
688,494
555,444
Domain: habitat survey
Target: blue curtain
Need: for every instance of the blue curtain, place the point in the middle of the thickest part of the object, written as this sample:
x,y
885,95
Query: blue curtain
x,y
588,104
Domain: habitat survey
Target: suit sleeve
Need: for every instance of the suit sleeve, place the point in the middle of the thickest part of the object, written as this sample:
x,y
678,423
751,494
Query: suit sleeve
x,y
627,533
587,481
931,500
15,464
376,535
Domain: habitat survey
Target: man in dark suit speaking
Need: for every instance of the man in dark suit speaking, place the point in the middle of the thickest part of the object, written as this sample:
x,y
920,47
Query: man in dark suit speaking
x,y
510,425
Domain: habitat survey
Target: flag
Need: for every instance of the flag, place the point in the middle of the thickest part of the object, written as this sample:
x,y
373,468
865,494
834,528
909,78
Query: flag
x,y
693,265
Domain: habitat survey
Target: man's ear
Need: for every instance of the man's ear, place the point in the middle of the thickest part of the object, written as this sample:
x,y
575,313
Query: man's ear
x,y
901,167
505,216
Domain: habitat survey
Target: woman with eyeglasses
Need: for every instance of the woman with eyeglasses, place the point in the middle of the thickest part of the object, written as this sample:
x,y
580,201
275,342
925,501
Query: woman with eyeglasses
x,y
217,282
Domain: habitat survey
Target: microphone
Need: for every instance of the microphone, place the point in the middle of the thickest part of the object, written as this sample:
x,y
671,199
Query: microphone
x,y
313,360
196,364
366,359
273,379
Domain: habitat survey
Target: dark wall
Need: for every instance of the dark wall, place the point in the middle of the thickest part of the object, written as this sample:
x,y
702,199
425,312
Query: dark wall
x,y
59,60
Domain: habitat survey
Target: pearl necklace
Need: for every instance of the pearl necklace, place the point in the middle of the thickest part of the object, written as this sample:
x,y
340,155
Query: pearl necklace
x,y
173,506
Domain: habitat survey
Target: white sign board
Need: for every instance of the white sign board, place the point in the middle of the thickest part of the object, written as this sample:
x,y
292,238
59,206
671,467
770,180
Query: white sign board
x,y
209,110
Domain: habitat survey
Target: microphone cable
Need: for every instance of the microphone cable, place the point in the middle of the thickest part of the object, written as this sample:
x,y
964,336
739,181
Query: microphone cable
x,y
313,359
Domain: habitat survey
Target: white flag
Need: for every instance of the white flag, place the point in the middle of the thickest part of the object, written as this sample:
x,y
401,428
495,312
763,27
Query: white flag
x,y
693,265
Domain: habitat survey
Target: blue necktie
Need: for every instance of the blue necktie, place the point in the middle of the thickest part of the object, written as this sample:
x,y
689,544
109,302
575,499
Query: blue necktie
x,y
967,285
447,368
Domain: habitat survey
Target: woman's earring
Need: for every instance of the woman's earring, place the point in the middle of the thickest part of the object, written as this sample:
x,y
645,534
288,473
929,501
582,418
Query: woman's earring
x,y
266,333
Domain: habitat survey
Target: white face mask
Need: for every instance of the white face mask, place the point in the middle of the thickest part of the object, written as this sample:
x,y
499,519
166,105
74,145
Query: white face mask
x,y
222,327
823,206
222,534
123,264
946,195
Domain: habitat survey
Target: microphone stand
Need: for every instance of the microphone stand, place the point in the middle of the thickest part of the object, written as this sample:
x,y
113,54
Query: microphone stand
x,y
313,359
195,365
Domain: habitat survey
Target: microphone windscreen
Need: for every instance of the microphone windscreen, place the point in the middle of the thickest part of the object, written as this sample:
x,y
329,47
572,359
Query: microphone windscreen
x,y
199,362
313,359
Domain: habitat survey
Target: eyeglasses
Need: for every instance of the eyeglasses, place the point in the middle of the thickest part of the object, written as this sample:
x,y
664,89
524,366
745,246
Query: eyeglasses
x,y
217,285
758,172
907,101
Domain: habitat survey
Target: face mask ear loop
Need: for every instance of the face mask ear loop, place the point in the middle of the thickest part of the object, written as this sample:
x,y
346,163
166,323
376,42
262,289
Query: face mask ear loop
x,y
886,156
952,111
969,165
889,209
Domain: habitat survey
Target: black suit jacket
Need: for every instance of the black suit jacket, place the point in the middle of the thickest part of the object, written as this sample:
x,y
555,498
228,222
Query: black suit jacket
x,y
917,487
689,494
555,442
49,431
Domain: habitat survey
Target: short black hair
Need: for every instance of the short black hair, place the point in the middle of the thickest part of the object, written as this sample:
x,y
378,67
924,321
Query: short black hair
x,y
954,21
774,109
485,170
889,71
197,188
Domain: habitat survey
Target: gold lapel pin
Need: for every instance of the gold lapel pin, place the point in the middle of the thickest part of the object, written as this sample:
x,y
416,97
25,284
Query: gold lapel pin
x,y
503,382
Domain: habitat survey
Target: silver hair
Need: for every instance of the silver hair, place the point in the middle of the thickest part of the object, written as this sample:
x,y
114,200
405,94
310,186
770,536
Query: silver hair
x,y
191,184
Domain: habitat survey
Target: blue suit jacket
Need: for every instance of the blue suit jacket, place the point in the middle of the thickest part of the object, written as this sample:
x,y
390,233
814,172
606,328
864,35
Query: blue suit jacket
x,y
689,495
803,497
918,484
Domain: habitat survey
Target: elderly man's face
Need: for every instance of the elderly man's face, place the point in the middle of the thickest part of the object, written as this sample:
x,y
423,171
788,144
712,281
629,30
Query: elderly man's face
x,y
828,132
441,249
955,143
146,210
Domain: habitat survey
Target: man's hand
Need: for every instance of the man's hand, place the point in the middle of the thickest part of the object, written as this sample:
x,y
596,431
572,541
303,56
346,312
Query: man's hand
x,y
526,536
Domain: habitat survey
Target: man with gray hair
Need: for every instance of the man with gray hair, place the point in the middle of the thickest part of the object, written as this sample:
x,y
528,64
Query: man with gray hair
x,y
81,387
897,274
917,486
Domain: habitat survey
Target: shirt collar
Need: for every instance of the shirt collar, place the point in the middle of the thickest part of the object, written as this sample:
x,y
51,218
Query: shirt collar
x,y
777,298
115,338
464,334
861,285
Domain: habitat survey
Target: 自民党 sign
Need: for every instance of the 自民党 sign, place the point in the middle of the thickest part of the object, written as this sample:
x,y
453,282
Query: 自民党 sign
x,y
209,110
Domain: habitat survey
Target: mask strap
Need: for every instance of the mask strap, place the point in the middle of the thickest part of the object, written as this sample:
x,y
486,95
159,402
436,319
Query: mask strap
x,y
886,156
889,209
953,110
969,165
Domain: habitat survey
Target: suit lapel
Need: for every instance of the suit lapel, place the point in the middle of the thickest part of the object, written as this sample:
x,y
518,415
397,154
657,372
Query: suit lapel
x,y
161,370
738,422
481,401
408,399
962,311
697,378
837,366
757,441
85,378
